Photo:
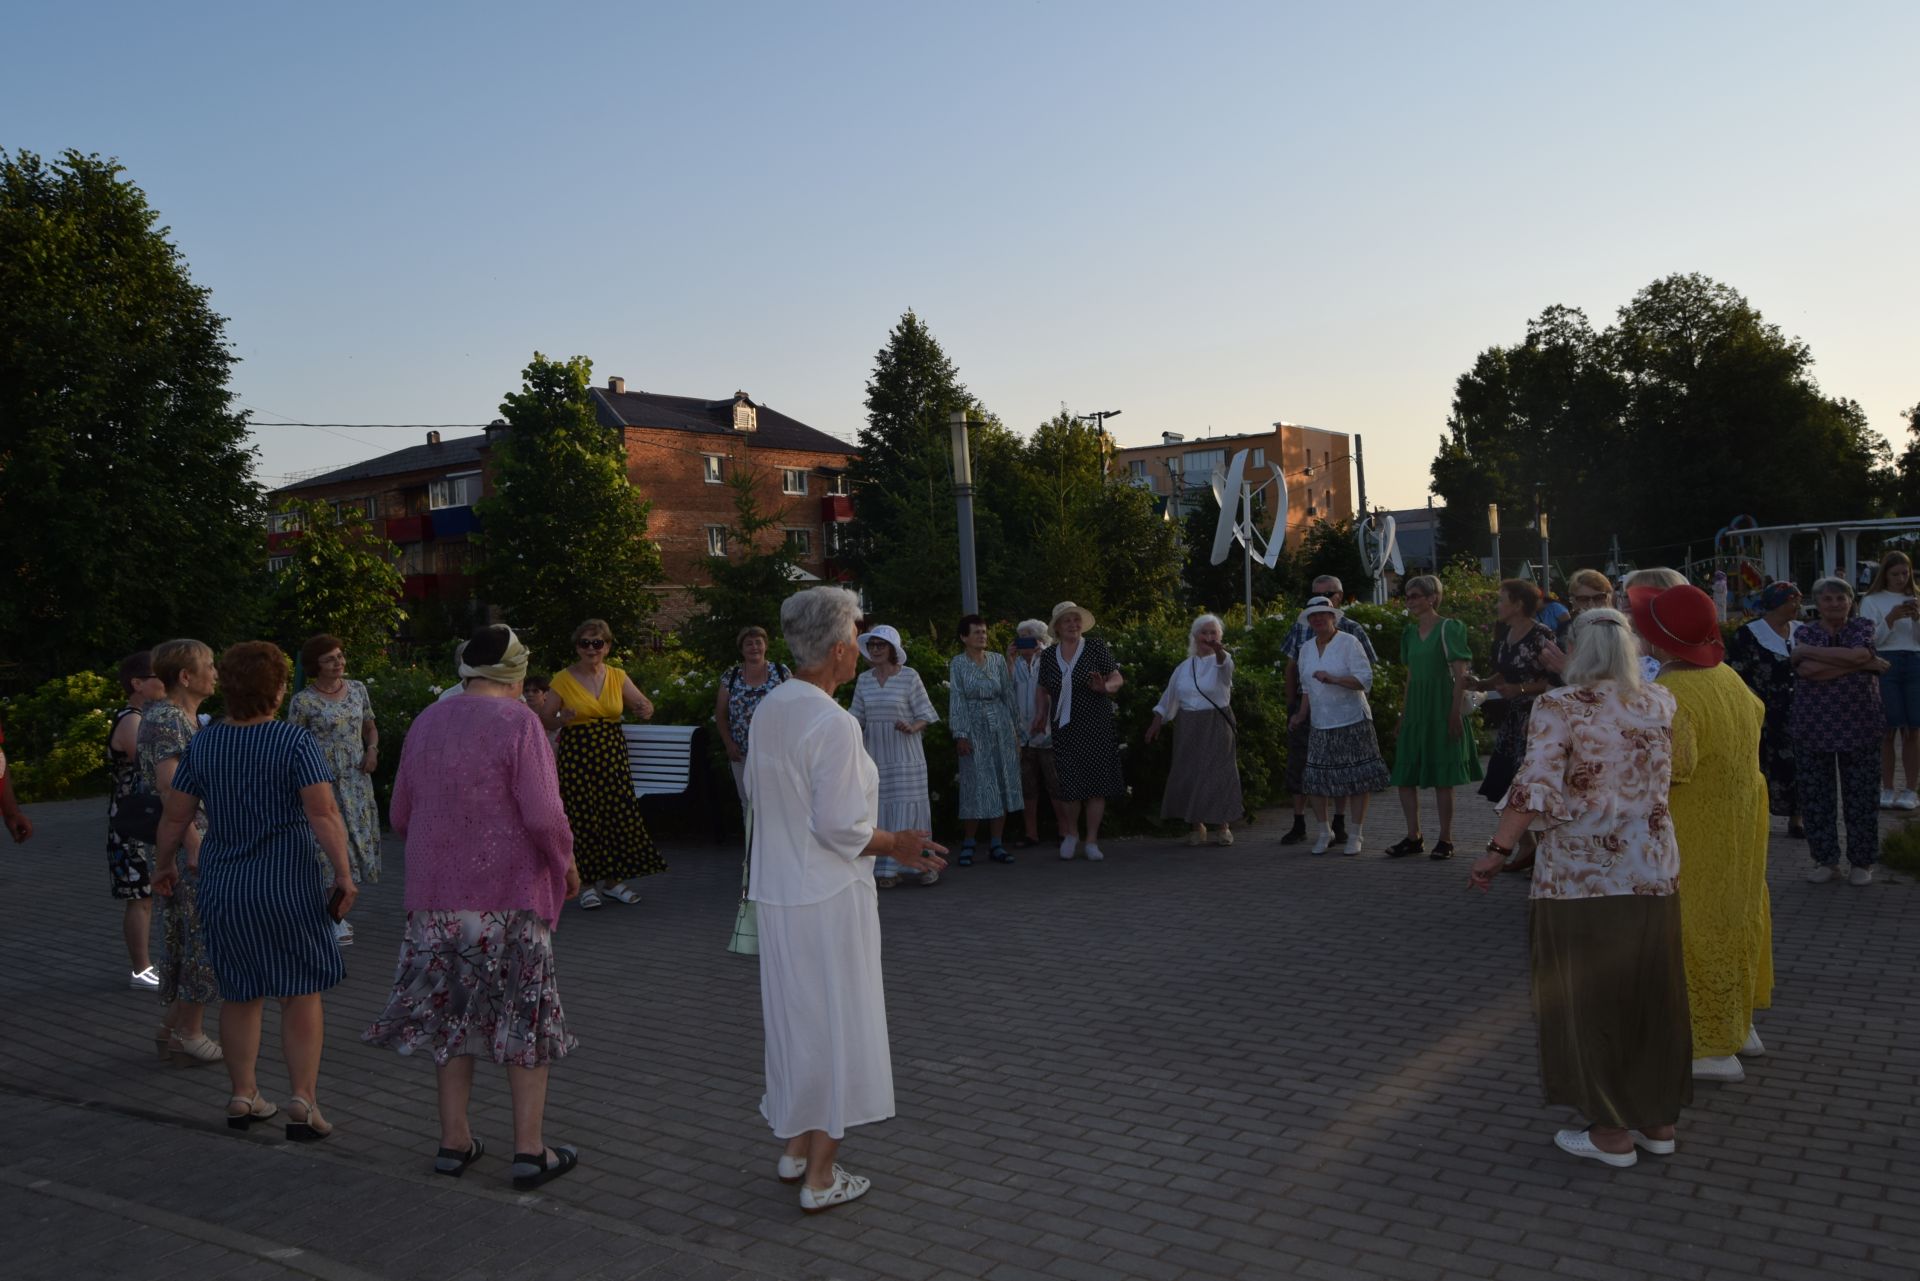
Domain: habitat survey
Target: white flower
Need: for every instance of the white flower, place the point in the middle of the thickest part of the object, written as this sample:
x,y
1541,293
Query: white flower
x,y
433,689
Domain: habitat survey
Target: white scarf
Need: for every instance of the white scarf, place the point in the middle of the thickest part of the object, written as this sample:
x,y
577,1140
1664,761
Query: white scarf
x,y
1763,632
1066,680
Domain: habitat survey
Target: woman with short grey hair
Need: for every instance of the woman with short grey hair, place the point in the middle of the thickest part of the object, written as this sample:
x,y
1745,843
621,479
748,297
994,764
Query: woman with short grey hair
x,y
816,800
1203,785
1837,721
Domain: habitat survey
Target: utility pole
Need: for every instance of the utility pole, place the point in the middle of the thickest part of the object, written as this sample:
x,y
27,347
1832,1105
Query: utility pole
x,y
1246,545
963,501
1546,564
1360,471
1493,530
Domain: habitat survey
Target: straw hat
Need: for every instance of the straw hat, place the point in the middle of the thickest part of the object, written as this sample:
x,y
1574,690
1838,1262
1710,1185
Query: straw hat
x,y
1068,607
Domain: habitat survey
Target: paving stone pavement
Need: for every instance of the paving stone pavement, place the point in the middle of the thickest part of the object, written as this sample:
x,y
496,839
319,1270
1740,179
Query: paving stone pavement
x,y
1177,1064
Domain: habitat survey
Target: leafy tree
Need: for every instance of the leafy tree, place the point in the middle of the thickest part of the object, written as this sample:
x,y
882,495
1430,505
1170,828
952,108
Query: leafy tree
x,y
745,587
1331,547
1222,587
1906,480
128,511
564,535
340,577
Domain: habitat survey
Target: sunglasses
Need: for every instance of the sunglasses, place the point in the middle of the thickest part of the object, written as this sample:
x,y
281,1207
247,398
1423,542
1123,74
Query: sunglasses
x,y
590,644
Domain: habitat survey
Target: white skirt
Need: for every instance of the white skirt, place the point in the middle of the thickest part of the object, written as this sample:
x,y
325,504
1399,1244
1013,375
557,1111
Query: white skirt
x,y
825,1010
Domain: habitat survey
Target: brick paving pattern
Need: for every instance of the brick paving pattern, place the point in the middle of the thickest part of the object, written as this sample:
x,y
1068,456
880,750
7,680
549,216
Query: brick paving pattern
x,y
1179,1064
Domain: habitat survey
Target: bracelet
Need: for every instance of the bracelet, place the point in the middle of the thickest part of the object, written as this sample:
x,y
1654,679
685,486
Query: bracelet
x,y
1495,847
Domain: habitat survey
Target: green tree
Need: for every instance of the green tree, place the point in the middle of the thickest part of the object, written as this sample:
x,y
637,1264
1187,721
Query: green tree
x,y
1220,588
746,586
564,535
1330,547
1906,481
340,577
128,511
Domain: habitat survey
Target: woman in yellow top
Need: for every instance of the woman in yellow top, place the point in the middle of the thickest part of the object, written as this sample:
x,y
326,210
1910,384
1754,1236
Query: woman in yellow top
x,y
610,839
1719,807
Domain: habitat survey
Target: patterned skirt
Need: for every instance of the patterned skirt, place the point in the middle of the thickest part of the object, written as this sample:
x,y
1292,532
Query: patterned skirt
x,y
610,838
1343,762
478,983
185,974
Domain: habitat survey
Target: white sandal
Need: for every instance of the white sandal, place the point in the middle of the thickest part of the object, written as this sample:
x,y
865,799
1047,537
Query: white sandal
x,y
1658,1147
845,1187
792,1169
1580,1143
619,893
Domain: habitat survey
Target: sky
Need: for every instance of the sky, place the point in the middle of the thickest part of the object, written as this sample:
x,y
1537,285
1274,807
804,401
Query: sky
x,y
1208,217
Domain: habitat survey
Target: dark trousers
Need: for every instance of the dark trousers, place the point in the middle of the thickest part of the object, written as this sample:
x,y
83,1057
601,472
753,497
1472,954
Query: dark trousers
x,y
1857,795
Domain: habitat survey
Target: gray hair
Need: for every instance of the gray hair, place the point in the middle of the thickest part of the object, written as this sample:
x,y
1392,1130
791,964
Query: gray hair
x,y
1422,583
1603,649
815,620
1034,627
1659,577
1333,579
1827,584
1193,633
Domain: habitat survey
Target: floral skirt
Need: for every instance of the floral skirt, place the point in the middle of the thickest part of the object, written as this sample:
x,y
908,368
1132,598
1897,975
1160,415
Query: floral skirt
x,y
478,983
185,972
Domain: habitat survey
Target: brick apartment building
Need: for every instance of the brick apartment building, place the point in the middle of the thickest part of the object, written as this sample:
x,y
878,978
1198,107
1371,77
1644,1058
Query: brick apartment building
x,y
1317,465
681,452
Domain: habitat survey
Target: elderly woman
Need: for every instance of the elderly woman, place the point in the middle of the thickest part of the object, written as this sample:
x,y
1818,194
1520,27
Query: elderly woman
x,y
1586,589
816,800
268,794
1522,649
1837,723
1078,679
742,686
185,672
890,702
1719,807
1609,978
129,861
1761,652
1892,604
489,862
610,838
1203,786
981,714
339,714
1436,747
1343,755
1037,770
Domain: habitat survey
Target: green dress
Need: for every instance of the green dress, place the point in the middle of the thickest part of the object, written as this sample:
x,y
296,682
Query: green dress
x,y
1427,756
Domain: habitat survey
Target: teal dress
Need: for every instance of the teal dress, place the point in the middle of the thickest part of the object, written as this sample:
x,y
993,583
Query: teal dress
x,y
1427,756
981,709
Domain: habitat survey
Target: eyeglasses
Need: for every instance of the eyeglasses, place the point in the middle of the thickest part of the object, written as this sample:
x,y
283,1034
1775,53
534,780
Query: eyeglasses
x,y
590,644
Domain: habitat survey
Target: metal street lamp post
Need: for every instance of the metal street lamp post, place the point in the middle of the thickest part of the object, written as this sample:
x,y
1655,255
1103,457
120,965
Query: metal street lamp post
x,y
963,502
1493,529
1546,564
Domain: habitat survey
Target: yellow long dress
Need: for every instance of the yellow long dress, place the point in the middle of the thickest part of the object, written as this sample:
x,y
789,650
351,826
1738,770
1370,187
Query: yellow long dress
x,y
1719,808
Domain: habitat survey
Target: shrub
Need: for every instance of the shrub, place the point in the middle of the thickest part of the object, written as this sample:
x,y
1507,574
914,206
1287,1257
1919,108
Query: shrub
x,y
1900,848
57,737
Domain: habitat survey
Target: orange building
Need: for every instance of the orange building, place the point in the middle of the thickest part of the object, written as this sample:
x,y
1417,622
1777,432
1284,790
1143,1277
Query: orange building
x,y
1318,466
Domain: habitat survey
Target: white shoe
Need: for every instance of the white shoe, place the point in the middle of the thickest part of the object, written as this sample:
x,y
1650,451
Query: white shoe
x,y
1861,875
1905,799
1198,836
1323,840
342,933
1092,852
1820,873
1886,798
1725,1069
845,1187
589,899
619,893
1580,1143
1658,1147
1225,837
148,978
792,1169
1354,844
1066,846
1753,1046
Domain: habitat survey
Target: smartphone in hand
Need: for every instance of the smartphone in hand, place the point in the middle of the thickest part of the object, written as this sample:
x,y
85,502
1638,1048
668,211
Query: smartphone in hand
x,y
337,905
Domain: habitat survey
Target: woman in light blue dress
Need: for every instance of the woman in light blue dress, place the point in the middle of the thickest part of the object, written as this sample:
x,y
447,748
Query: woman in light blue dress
x,y
890,702
981,712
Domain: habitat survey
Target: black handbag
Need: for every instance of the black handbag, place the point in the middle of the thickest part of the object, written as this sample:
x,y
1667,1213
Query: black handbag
x,y
137,818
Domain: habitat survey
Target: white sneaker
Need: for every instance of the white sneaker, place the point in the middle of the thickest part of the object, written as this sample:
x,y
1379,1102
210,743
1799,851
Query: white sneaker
x,y
1905,799
342,933
1753,1046
1580,1143
1323,840
1861,875
1355,843
1066,846
792,1168
147,978
1658,1147
845,1187
1092,852
1886,798
1820,873
1726,1069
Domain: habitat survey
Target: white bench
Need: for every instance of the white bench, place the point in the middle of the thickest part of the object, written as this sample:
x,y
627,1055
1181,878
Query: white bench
x,y
660,758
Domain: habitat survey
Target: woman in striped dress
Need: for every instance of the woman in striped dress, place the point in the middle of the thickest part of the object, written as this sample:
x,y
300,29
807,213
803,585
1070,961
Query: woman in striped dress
x,y
268,794
891,704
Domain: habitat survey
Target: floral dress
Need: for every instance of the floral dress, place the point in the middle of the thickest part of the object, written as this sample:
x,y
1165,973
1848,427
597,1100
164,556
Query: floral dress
x,y
982,711
336,724
1517,662
129,862
185,974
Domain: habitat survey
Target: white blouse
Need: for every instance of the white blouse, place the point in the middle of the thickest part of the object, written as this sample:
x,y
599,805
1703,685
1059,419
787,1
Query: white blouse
x,y
1026,695
1335,706
1903,635
815,795
1197,685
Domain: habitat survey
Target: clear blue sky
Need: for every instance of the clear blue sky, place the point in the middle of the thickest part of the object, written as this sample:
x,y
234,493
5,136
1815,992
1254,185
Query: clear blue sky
x,y
1205,216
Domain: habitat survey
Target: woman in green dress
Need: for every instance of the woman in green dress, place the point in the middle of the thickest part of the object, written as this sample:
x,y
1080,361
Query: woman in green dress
x,y
1436,747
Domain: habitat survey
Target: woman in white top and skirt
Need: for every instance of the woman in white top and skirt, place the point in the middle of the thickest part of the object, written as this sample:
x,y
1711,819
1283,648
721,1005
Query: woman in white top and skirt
x,y
1343,755
816,799
1893,607
1203,786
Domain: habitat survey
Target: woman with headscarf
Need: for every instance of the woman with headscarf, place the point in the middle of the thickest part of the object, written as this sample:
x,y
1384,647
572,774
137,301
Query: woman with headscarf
x,y
890,702
1078,679
1762,653
1203,785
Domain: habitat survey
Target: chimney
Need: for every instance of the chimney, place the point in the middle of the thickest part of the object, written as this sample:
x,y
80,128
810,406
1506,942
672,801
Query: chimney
x,y
617,385
1171,438
433,438
496,429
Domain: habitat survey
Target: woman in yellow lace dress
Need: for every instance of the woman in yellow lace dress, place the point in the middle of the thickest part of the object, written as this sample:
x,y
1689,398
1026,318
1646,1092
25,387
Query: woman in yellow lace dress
x,y
1719,806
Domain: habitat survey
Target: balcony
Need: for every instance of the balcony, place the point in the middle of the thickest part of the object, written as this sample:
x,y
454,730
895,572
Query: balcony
x,y
835,508
410,529
437,586
278,541
450,522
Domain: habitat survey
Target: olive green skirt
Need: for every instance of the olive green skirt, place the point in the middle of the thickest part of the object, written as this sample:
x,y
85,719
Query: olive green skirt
x,y
1610,1001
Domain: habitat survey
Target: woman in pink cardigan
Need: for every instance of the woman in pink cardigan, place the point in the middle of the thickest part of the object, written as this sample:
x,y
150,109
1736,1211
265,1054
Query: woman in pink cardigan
x,y
489,862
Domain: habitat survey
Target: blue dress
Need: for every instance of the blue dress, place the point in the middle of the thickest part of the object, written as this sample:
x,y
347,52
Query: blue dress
x,y
262,901
981,709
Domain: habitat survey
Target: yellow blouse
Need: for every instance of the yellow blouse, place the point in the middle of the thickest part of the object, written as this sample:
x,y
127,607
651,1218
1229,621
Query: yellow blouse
x,y
584,706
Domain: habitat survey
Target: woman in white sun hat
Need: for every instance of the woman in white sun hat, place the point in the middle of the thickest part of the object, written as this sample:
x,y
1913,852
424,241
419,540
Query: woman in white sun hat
x,y
1078,679
890,702
1343,754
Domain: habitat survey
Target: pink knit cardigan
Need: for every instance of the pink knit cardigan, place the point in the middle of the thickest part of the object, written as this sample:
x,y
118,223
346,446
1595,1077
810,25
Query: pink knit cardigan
x,y
478,802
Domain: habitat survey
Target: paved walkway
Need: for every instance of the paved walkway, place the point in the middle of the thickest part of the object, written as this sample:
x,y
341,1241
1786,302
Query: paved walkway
x,y
1179,1064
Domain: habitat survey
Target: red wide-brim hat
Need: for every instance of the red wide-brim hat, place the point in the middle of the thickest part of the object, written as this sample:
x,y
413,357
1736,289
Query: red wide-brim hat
x,y
1680,620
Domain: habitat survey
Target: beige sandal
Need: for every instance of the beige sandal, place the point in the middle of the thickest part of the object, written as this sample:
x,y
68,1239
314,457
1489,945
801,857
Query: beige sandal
x,y
244,1109
304,1122
197,1052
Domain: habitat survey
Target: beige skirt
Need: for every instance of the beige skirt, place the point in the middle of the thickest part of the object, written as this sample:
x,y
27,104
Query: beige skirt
x,y
1203,785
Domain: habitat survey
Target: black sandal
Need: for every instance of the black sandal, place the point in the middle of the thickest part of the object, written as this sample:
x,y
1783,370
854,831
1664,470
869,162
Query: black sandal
x,y
453,1163
1407,845
531,1169
998,853
1441,849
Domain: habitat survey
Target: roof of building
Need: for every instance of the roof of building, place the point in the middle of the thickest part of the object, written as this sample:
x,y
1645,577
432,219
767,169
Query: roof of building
x,y
461,451
711,418
1201,442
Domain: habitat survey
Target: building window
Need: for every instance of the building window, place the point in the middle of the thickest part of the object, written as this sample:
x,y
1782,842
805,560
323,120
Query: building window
x,y
277,564
1199,466
348,507
1138,471
838,486
455,557
710,464
716,540
835,541
454,491
413,559
1259,458
801,540
283,523
793,480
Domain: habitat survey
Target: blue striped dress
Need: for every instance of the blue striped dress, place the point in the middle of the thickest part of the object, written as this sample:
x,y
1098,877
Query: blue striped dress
x,y
262,900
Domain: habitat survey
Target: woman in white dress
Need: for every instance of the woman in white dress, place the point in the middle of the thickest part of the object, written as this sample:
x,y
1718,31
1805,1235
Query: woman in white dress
x,y
816,801
890,702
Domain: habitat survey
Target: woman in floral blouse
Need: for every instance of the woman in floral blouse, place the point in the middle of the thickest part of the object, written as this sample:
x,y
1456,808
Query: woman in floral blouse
x,y
1837,723
1609,978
